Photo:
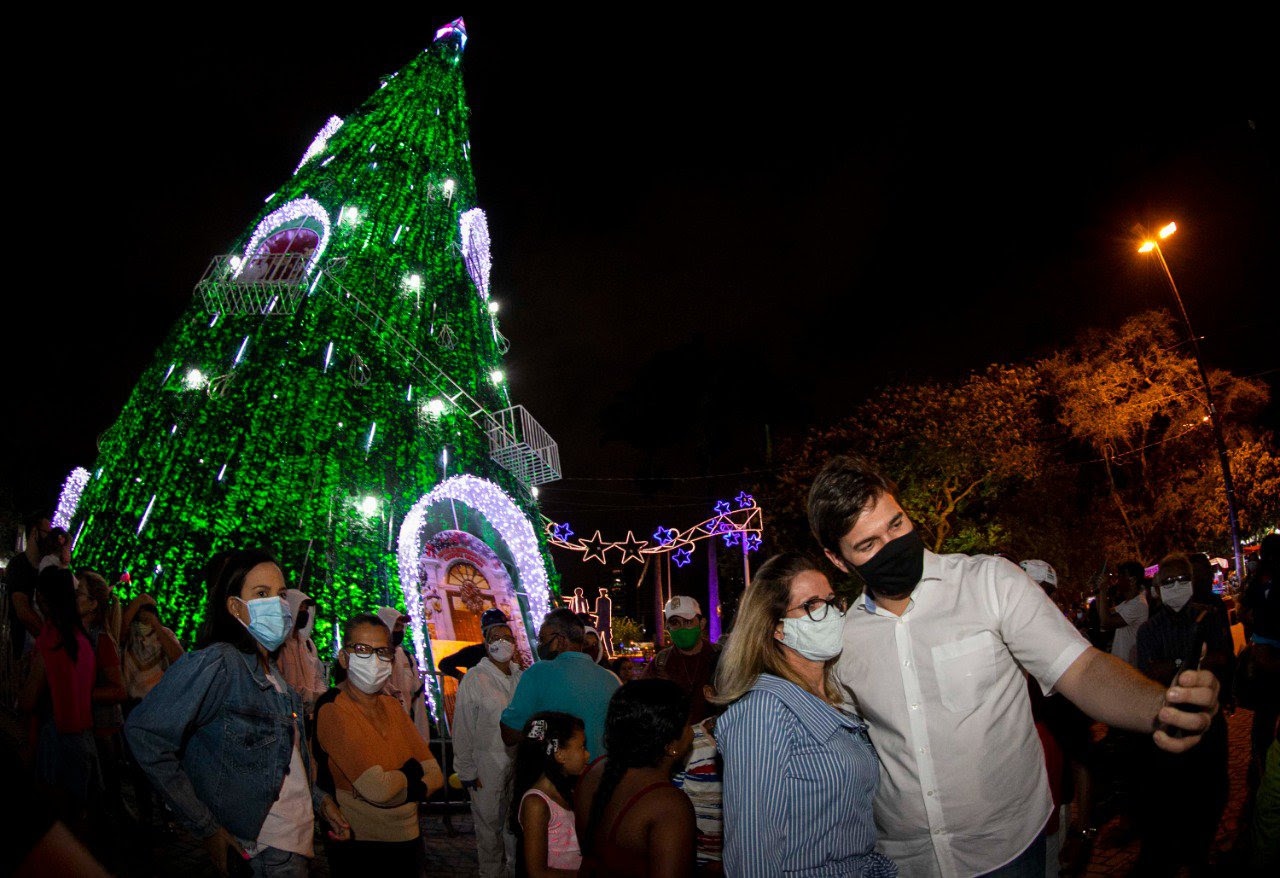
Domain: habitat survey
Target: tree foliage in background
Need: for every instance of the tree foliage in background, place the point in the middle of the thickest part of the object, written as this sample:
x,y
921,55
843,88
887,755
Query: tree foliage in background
x,y
1096,453
1133,398
952,447
626,630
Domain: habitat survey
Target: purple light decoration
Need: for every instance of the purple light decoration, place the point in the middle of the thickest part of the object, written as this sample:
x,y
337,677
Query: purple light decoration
x,y
713,593
745,500
321,142
475,249
753,542
294,212
723,508
457,26
730,538
716,526
664,536
69,499
682,557
562,532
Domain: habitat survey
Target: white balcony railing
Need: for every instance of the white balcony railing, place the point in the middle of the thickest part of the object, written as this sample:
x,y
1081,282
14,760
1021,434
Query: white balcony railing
x,y
269,284
518,443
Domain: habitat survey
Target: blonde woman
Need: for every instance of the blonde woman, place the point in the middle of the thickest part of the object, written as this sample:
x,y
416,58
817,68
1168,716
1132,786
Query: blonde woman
x,y
799,772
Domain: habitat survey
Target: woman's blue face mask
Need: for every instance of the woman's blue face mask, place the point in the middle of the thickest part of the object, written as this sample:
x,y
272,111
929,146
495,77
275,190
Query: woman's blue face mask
x,y
269,621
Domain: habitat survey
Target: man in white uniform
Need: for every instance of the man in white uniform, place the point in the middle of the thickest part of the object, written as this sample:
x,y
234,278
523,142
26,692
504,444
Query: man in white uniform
x,y
481,760
933,659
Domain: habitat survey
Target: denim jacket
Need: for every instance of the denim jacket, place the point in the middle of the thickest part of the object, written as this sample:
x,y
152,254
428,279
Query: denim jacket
x,y
215,738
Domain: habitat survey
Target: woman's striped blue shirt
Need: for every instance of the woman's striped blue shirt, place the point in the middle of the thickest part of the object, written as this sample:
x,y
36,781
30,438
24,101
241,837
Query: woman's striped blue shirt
x,y
799,779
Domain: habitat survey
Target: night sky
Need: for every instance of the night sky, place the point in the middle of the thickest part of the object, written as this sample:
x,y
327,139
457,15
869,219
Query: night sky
x,y
699,228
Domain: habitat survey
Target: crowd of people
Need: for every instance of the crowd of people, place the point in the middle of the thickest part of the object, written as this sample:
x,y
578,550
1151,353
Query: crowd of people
x,y
943,722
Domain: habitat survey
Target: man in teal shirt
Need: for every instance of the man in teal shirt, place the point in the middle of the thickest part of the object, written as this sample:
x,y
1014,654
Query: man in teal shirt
x,y
565,679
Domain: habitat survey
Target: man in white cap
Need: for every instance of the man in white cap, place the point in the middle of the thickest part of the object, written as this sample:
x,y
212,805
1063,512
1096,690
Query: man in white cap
x,y
299,662
690,662
1042,574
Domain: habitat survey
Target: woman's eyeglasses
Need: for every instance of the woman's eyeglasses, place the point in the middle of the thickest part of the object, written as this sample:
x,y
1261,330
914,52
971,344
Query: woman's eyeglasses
x,y
384,653
1174,580
817,608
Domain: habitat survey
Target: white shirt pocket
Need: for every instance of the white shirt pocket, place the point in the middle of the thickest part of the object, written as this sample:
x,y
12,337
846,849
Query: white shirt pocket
x,y
965,669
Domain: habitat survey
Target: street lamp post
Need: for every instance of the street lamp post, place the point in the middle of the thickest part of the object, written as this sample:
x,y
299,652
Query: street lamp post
x,y
1152,245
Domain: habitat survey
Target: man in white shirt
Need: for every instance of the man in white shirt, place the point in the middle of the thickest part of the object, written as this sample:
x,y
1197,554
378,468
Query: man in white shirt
x,y
1129,614
933,660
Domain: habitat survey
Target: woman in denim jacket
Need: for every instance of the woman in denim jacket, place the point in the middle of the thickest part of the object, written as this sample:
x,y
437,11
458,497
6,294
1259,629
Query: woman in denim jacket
x,y
221,735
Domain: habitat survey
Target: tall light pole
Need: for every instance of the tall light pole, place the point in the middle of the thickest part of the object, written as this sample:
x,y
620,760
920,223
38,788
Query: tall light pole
x,y
1152,245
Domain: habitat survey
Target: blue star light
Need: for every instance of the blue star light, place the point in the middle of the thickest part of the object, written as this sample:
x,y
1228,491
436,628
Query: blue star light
x,y
745,500
682,557
723,508
662,536
730,538
562,532
753,542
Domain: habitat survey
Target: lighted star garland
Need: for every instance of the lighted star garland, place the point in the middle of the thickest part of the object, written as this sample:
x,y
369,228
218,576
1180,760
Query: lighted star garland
x,y
69,499
512,526
736,524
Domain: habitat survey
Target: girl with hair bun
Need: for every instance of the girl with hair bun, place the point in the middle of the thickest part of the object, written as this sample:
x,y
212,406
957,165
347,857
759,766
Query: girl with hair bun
x,y
550,757
632,820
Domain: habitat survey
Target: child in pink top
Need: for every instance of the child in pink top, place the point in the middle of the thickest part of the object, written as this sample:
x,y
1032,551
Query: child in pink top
x,y
550,757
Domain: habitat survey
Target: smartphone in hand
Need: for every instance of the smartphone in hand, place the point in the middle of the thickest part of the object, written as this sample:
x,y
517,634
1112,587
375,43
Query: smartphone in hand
x,y
1190,662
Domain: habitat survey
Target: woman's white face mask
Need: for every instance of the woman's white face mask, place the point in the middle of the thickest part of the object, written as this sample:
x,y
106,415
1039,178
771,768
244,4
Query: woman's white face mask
x,y
816,641
368,673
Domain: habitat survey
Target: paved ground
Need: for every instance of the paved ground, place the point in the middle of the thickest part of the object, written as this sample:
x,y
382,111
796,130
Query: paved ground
x,y
1109,859
451,854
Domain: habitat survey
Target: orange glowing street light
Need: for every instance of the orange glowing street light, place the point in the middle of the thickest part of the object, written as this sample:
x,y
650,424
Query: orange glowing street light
x,y
1151,245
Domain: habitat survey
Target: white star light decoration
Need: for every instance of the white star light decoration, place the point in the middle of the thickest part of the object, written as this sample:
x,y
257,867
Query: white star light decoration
x,y
742,526
511,525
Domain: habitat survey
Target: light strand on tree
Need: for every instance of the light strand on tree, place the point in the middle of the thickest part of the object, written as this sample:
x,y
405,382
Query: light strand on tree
x,y
69,499
475,247
321,142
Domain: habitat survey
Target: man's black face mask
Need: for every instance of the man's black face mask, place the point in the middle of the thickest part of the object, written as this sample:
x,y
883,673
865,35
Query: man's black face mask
x,y
895,571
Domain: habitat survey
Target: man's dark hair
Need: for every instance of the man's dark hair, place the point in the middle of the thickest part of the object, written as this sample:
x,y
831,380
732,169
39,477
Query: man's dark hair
x,y
1132,569
362,619
843,490
31,521
562,621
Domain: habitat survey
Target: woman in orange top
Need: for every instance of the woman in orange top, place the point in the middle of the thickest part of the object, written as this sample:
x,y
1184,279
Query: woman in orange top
x,y
381,766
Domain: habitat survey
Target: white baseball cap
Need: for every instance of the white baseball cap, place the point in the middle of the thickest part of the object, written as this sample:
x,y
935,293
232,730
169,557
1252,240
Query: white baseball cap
x,y
683,606
1041,572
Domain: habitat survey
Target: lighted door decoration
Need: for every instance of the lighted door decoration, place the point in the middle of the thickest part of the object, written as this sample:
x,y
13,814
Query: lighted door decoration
x,y
428,558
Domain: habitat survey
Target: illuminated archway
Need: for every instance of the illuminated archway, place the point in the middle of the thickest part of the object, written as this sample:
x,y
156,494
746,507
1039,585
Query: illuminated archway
x,y
277,229
513,530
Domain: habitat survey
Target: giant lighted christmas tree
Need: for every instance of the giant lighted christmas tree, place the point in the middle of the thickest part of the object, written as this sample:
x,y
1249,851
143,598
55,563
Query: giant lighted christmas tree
x,y
335,392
